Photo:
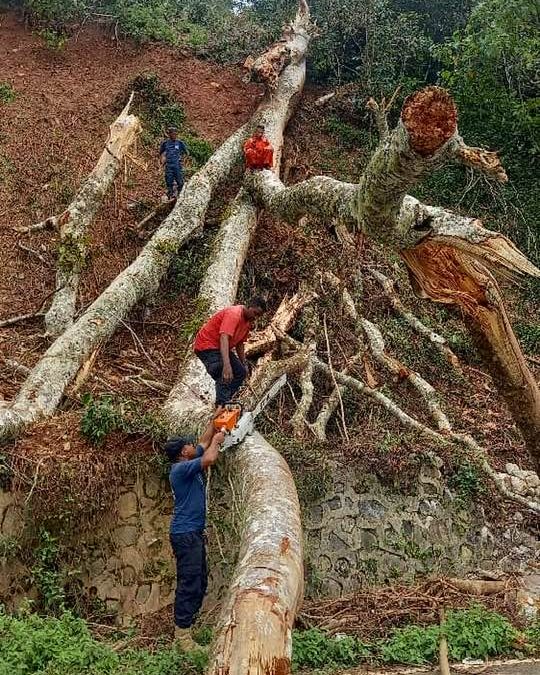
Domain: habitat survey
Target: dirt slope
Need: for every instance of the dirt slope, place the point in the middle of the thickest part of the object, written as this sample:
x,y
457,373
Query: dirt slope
x,y
52,134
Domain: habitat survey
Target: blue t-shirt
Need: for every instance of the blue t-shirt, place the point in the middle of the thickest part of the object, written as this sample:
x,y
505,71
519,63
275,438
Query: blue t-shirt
x,y
173,151
188,488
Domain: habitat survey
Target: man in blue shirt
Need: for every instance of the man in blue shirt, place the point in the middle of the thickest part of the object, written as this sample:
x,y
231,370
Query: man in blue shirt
x,y
171,152
187,525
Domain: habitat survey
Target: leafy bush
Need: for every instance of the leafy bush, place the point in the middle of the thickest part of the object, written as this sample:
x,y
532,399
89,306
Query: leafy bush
x,y
7,93
101,416
412,645
478,633
146,21
54,40
34,645
46,574
314,649
529,336
466,481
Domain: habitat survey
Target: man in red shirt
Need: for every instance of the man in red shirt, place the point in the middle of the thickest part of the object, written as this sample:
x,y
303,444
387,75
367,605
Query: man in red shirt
x,y
258,151
224,332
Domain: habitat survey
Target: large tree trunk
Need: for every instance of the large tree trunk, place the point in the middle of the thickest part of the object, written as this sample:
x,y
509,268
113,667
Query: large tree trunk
x,y
78,216
220,284
254,633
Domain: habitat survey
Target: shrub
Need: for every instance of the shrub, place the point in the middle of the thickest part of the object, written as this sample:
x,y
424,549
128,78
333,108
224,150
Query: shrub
x,y
7,93
315,649
64,646
101,416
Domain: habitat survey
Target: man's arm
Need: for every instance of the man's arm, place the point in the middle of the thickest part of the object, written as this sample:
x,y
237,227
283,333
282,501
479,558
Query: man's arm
x,y
208,433
224,349
162,156
212,452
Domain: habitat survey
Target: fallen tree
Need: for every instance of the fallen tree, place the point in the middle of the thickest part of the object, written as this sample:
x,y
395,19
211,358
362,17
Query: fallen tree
x,y
446,253
74,221
220,283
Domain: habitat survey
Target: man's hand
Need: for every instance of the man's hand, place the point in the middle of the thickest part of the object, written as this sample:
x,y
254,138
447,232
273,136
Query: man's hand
x,y
219,437
227,374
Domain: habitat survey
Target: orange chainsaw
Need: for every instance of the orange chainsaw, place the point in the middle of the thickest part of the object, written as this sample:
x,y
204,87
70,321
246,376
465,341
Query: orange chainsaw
x,y
236,423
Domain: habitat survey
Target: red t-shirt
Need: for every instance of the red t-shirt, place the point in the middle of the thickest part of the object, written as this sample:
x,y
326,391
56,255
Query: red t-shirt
x,y
229,321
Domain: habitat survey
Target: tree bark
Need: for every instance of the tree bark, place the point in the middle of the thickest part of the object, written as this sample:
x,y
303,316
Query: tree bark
x,y
219,286
76,219
254,633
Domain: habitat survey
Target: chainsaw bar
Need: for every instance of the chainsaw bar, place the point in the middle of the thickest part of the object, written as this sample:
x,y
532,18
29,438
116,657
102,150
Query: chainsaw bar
x,y
246,423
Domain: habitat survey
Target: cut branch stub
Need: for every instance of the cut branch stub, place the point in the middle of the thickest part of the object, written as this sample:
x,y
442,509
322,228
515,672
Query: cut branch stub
x,y
430,118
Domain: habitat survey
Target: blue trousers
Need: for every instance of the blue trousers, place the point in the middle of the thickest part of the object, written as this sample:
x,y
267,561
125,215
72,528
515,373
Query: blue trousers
x,y
173,174
213,363
191,576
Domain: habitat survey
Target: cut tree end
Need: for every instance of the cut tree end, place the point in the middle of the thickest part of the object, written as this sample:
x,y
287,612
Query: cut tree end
x,y
430,117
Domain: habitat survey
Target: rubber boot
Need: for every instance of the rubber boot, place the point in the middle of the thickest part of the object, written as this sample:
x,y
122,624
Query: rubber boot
x,y
183,639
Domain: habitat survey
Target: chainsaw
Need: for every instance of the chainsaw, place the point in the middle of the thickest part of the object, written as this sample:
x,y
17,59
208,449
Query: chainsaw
x,y
236,423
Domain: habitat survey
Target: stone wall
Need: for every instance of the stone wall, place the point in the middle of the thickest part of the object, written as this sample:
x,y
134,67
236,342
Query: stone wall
x,y
360,533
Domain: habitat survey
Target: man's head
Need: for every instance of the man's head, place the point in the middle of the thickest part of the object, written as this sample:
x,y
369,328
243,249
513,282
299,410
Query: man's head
x,y
178,448
171,132
259,131
255,308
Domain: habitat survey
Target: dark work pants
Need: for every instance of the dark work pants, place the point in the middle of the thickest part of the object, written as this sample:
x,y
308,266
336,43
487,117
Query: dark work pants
x,y
191,576
173,174
213,363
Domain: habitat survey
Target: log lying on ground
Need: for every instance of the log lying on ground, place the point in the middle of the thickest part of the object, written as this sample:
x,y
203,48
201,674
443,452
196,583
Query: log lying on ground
x,y
254,633
78,216
220,283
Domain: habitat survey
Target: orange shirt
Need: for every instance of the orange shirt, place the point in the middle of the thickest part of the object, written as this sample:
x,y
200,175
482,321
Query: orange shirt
x,y
259,153
229,321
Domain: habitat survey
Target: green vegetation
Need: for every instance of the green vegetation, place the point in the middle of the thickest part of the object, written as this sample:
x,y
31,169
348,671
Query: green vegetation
x,y
46,645
466,482
475,633
7,93
34,645
106,414
46,575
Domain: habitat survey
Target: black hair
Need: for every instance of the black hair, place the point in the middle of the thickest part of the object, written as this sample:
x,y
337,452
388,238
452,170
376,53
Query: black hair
x,y
260,126
258,301
174,446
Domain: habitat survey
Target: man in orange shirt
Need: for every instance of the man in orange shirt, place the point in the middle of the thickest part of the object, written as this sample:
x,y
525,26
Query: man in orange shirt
x,y
224,332
258,151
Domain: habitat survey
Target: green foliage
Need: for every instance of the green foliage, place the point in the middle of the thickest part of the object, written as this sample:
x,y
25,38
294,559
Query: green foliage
x,y
54,40
34,645
6,472
107,414
491,68
200,150
188,267
412,645
46,575
478,633
529,336
10,546
145,21
7,93
315,649
101,416
466,482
